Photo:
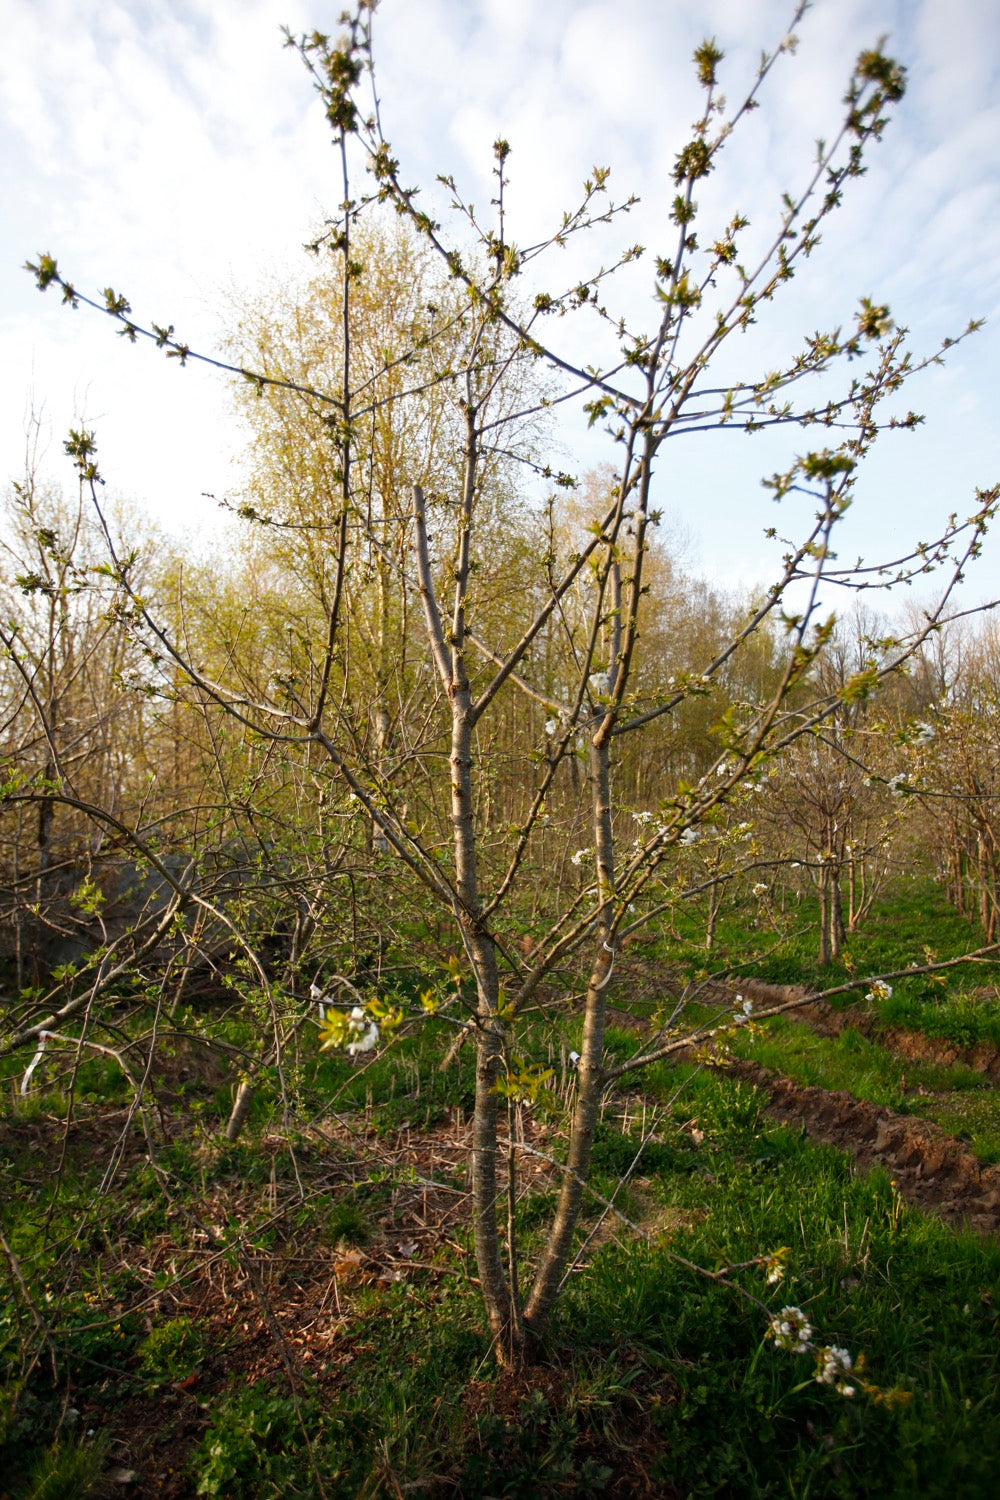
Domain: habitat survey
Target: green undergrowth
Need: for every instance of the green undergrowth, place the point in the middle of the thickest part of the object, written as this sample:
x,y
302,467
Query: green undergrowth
x,y
912,924
971,1117
654,1376
656,1370
655,1379
918,1300
36,1465
965,1018
848,1061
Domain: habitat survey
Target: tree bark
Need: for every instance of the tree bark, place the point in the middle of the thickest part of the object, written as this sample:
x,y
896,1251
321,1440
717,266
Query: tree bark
x,y
556,1257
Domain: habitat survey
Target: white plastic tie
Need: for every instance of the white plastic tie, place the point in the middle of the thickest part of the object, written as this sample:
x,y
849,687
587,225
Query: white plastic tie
x,y
43,1037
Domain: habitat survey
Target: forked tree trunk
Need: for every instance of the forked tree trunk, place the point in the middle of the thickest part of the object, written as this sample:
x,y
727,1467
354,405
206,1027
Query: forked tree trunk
x,y
501,1306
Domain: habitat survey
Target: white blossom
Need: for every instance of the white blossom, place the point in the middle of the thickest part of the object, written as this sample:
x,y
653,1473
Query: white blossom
x,y
775,1266
689,836
791,1330
364,1032
365,1041
834,1367
760,889
579,857
879,990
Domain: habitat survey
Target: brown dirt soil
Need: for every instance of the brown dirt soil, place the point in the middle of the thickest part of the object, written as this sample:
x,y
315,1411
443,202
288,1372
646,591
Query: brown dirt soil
x,y
918,1047
932,1169
275,1314
637,1447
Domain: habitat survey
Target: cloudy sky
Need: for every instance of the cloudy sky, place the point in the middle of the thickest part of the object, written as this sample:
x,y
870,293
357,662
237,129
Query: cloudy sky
x,y
174,150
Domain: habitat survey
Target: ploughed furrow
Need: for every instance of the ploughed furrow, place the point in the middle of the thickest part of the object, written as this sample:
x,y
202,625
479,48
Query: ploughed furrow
x,y
932,1169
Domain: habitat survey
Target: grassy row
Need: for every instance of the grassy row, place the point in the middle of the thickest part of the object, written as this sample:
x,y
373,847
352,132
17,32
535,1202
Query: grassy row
x,y
652,1369
961,1100
913,925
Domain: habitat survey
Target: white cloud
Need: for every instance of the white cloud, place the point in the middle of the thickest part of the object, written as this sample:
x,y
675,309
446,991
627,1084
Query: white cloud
x,y
172,148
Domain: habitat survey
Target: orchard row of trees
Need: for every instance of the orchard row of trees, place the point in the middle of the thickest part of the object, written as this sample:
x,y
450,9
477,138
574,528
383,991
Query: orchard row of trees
x,y
451,709
106,753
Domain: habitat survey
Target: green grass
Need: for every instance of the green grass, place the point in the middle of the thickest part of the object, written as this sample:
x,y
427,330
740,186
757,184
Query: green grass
x,y
911,918
849,1061
919,1300
966,1019
61,1468
655,1363
972,1117
654,1376
913,924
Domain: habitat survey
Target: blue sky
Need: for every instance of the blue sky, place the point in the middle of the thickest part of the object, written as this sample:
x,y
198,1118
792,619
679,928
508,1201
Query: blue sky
x,y
173,149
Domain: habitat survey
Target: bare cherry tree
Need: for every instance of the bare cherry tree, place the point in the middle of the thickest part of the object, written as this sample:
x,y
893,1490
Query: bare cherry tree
x,y
568,663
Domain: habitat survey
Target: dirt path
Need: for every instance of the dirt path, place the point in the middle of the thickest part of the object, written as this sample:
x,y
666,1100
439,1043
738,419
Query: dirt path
x,y
932,1169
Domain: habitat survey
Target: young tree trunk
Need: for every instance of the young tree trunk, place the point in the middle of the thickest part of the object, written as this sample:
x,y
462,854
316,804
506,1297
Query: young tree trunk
x,y
837,933
556,1257
240,1110
501,1306
824,915
46,815
715,894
